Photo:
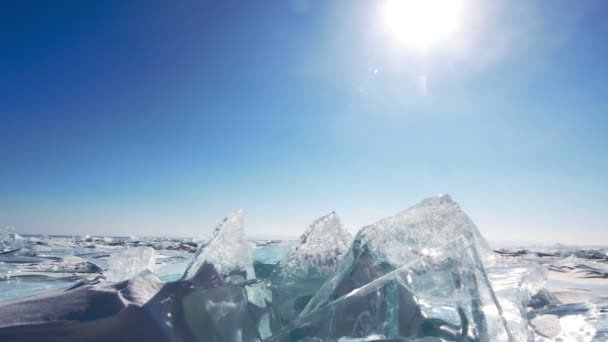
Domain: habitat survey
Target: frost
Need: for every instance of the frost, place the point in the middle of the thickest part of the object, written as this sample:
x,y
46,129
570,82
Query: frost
x,y
227,250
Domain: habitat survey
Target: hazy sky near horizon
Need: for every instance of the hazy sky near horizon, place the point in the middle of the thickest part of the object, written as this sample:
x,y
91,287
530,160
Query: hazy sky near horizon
x,y
160,117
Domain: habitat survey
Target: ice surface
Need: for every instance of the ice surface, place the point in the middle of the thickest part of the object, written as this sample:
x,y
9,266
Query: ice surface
x,y
597,253
7,271
572,305
579,310
425,262
68,264
66,267
573,322
129,263
547,326
20,287
227,250
85,302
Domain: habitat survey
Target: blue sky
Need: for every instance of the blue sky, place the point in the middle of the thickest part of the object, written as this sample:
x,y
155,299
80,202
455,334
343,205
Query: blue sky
x,y
158,118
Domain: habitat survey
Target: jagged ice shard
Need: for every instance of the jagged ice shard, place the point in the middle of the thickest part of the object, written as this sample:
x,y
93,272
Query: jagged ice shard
x,y
305,268
218,298
319,251
227,250
418,274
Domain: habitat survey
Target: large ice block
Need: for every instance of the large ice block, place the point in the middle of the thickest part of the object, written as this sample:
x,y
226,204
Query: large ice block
x,y
227,250
421,269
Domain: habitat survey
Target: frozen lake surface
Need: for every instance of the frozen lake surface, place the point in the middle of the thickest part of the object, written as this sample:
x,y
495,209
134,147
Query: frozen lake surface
x,y
424,274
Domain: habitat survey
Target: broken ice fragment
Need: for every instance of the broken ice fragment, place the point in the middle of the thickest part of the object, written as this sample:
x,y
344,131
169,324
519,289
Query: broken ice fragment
x,y
515,283
6,236
227,250
128,264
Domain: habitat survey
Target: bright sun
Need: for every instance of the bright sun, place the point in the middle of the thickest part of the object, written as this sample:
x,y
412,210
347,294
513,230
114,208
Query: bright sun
x,y
421,23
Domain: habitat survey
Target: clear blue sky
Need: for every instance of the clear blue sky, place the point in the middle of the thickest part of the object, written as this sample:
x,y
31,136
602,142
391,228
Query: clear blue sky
x,y
160,117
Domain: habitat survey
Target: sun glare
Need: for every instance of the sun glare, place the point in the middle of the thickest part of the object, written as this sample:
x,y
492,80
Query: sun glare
x,y
422,23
